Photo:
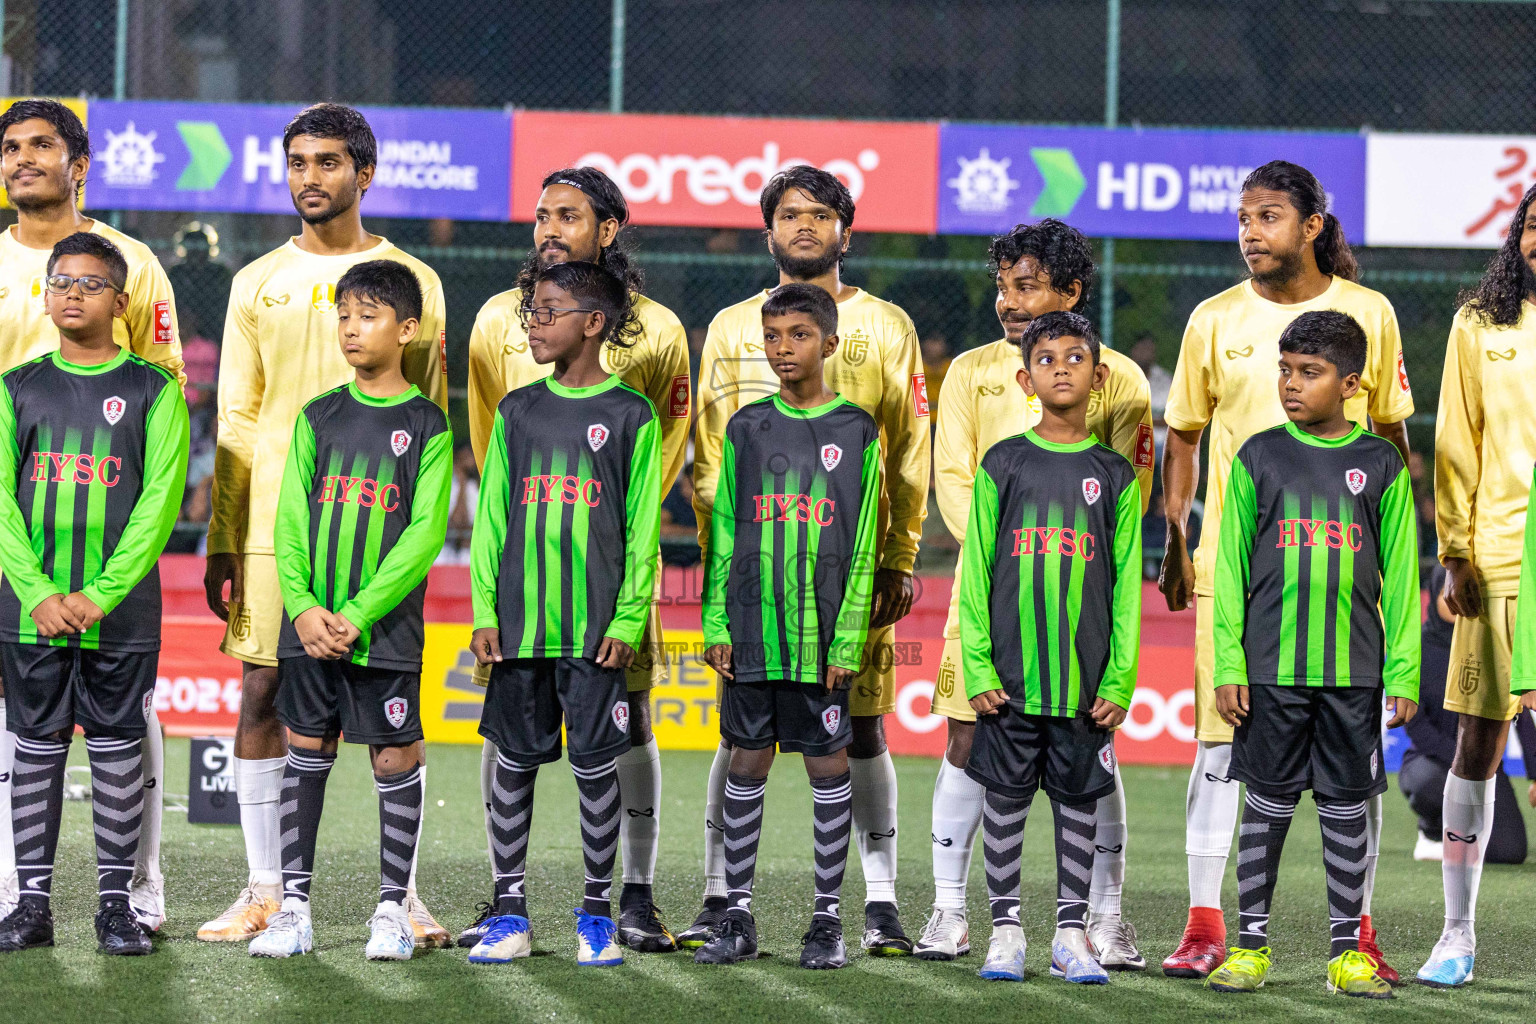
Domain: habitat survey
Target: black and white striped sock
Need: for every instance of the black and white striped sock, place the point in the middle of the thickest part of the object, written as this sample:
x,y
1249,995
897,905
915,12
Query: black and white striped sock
x,y
301,800
1260,838
1075,825
37,807
598,788
511,820
832,800
400,799
1002,830
117,808
1343,824
743,813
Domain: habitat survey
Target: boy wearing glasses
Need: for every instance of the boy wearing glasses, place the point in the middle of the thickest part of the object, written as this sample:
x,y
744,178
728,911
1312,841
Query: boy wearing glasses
x,y
90,483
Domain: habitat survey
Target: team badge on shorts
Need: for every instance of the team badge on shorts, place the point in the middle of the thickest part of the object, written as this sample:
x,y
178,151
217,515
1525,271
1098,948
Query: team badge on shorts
x,y
399,442
394,711
597,436
149,704
1375,763
1354,479
831,455
1091,489
830,717
113,409
621,715
1107,758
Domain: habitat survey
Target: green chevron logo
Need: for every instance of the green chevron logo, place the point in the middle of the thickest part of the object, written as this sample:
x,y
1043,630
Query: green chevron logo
x,y
210,156
1064,182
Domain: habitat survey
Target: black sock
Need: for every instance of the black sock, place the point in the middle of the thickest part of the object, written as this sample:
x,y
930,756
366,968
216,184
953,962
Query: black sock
x,y
832,806
511,820
1260,838
1002,827
743,813
635,894
1343,827
400,797
1075,826
117,810
37,807
302,799
598,789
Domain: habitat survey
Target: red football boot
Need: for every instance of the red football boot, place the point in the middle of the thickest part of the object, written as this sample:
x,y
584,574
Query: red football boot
x,y
1368,946
1203,947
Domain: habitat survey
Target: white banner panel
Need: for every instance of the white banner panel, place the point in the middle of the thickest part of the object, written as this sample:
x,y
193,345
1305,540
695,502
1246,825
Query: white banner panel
x,y
1445,190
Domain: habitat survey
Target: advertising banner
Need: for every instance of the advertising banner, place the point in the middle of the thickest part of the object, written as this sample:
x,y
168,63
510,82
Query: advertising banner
x,y
1129,183
228,157
708,171
1445,191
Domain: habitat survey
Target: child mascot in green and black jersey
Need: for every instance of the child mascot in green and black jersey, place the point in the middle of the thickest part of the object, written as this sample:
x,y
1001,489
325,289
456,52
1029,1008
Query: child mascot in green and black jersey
x,y
1050,623
93,462
787,605
362,514
1317,613
563,558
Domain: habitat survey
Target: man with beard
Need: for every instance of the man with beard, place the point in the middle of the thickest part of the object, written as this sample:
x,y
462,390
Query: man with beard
x,y
808,216
1039,268
279,352
45,155
1299,261
579,216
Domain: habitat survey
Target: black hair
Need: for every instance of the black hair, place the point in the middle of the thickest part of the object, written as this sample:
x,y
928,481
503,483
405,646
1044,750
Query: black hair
x,y
77,141
83,243
336,121
1307,195
1335,336
1050,326
608,203
1061,252
1498,299
594,287
823,186
387,282
799,297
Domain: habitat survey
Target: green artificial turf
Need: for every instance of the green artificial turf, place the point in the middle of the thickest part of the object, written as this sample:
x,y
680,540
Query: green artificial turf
x,y
186,980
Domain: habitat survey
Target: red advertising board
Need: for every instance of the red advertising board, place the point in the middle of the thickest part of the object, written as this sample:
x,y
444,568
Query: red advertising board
x,y
708,171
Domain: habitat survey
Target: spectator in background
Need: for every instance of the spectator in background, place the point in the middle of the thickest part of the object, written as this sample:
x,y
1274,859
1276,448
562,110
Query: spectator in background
x,y
463,497
199,354
937,355
200,357
200,282
1144,354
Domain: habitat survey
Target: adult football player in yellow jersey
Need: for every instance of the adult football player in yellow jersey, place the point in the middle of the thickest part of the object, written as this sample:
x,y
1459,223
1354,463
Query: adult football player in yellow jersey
x,y
1038,268
279,352
579,216
1485,445
45,155
808,214
1299,261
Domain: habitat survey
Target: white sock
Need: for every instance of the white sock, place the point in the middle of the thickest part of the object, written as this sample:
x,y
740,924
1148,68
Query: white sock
x,y
1373,811
1210,817
874,823
957,803
639,771
1108,853
421,830
147,862
7,762
1468,817
487,776
714,825
259,785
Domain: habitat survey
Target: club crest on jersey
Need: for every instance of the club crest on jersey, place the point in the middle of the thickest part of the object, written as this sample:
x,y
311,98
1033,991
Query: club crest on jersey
x,y
831,455
855,346
394,710
597,436
399,442
323,297
621,715
830,717
1107,758
1354,479
113,409
1091,489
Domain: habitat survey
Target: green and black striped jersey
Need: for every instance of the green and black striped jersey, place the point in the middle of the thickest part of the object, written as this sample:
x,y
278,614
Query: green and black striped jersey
x,y
362,515
566,537
93,464
792,540
1317,566
1050,589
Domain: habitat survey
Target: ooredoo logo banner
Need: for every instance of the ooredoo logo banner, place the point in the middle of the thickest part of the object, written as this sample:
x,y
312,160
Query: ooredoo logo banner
x,y
709,171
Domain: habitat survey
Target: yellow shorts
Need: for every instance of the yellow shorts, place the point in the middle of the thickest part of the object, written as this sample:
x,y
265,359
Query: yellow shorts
x,y
1209,728
1477,681
949,700
873,692
251,633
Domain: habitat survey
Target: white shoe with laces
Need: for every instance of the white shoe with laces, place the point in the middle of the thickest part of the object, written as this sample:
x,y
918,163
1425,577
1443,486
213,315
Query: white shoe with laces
x,y
289,932
946,935
146,898
10,894
1112,941
392,937
1005,956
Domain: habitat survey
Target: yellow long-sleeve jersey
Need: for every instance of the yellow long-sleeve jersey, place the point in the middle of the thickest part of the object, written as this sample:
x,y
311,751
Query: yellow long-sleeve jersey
x,y
1485,445
877,366
656,366
982,403
1227,378
148,329
281,349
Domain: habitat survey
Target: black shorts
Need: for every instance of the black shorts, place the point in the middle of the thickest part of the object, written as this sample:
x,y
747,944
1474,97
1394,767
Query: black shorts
x,y
1326,739
802,718
365,705
106,693
527,698
1015,753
